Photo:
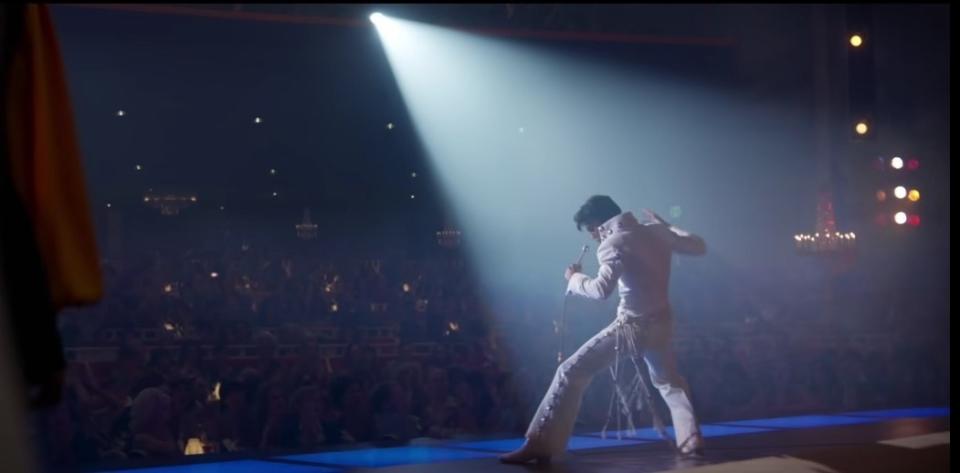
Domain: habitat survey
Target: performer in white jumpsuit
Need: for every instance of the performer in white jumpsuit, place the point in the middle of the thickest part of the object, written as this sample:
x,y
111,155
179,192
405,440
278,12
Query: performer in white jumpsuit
x,y
636,258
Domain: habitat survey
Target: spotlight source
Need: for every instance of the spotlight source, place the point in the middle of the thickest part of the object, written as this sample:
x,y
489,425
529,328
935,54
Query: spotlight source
x,y
377,18
862,128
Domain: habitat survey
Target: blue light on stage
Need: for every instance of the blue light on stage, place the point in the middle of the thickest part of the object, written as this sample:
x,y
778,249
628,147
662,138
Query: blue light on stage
x,y
239,466
916,412
381,457
801,422
586,443
502,445
707,430
575,443
388,456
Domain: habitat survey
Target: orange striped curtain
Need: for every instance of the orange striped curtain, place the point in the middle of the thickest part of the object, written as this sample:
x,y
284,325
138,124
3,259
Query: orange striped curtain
x,y
45,162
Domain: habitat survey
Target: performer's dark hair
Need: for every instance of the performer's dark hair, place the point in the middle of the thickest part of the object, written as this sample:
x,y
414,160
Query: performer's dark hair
x,y
597,209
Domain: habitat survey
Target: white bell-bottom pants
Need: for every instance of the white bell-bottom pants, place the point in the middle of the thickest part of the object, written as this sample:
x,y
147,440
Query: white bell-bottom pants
x,y
552,425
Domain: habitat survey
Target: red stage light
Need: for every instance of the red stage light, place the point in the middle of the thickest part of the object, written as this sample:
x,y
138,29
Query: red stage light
x,y
914,220
913,164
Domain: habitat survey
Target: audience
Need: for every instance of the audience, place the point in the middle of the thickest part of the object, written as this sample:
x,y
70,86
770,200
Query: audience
x,y
253,350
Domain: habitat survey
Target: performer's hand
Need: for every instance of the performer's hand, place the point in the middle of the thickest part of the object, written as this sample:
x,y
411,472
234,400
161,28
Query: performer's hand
x,y
650,214
571,270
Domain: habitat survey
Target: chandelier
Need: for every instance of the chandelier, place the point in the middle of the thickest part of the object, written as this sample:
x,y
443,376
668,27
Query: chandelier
x,y
827,239
306,230
169,204
448,237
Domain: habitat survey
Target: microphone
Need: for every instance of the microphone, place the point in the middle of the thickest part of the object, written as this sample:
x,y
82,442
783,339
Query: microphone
x,y
583,251
561,328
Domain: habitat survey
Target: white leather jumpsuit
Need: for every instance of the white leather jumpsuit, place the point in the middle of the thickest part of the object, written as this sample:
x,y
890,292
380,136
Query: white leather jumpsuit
x,y
635,258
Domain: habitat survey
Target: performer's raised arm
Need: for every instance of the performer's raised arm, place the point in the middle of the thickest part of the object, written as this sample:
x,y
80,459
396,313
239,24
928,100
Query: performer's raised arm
x,y
680,240
600,287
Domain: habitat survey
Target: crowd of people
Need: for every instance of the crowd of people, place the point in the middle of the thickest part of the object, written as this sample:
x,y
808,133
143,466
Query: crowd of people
x,y
190,390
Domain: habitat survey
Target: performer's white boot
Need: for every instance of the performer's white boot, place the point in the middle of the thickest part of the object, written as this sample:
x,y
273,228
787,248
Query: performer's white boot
x,y
692,447
525,454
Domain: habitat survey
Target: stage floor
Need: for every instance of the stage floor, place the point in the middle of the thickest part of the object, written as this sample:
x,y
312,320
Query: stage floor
x,y
899,440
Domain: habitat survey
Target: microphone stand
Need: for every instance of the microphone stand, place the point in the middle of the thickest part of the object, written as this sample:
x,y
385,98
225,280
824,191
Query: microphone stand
x,y
562,328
